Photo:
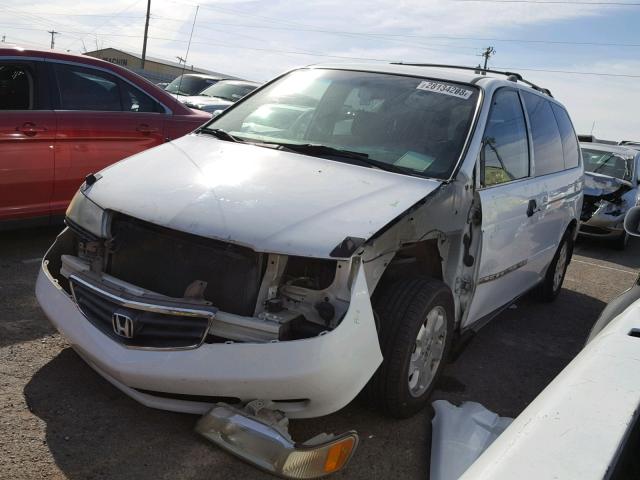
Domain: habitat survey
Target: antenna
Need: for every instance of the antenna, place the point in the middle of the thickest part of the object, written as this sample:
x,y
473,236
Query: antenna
x,y
593,127
186,55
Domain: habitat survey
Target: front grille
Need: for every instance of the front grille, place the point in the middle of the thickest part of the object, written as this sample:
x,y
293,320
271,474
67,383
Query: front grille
x,y
167,261
151,325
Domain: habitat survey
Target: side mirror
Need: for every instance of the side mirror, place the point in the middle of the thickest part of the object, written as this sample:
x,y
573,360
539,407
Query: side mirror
x,y
632,222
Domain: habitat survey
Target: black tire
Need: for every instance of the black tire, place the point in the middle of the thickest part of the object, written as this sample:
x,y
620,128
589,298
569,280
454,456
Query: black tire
x,y
403,307
621,242
548,290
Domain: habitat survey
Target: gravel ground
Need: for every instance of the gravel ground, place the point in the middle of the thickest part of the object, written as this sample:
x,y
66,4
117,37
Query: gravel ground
x,y
58,419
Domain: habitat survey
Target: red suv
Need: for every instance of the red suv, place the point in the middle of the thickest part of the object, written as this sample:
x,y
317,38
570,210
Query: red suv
x,y
64,116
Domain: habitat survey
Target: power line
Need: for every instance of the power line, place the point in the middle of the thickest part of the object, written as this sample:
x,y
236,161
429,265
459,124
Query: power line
x,y
570,72
345,57
371,34
130,6
405,35
562,2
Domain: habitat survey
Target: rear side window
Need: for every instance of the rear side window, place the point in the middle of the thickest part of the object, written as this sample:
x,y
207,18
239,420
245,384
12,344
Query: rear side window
x,y
87,89
505,149
547,144
17,87
569,141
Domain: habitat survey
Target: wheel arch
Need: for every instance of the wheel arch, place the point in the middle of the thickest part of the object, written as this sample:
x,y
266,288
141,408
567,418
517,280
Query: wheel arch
x,y
415,258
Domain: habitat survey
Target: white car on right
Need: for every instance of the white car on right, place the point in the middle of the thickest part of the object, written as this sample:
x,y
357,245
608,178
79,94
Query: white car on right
x,y
586,424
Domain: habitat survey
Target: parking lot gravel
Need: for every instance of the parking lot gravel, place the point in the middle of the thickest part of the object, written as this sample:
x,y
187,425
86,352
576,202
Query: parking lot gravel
x,y
59,419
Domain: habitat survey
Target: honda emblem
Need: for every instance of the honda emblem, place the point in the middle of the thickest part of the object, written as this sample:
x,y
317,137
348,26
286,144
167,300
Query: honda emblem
x,y
122,325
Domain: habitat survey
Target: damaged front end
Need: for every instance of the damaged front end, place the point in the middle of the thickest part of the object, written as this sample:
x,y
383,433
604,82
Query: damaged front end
x,y
197,325
606,202
152,275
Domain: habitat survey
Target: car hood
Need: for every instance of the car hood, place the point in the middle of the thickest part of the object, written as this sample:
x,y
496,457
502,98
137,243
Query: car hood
x,y
598,185
266,199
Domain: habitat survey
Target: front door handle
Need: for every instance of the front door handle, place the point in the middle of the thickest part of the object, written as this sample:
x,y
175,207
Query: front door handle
x,y
30,129
144,128
532,207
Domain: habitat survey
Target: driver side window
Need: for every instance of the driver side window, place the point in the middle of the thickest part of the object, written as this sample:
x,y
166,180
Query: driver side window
x,y
505,147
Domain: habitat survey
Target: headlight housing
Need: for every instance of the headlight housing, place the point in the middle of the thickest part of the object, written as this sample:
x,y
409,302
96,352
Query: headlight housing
x,y
86,214
267,445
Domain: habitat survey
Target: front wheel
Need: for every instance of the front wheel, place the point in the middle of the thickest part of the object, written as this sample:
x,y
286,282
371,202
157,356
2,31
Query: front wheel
x,y
416,317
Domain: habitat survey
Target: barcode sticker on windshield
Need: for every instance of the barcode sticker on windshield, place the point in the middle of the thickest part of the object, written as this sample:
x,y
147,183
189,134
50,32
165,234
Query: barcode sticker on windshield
x,y
438,87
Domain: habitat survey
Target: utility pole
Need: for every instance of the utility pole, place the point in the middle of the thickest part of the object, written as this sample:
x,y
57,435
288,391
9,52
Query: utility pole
x,y
488,52
146,30
53,37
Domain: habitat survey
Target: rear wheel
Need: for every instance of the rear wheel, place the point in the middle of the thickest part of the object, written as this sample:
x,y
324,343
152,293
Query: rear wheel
x,y
552,283
416,316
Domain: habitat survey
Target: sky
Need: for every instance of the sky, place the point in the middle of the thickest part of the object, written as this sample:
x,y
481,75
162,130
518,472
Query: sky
x,y
257,40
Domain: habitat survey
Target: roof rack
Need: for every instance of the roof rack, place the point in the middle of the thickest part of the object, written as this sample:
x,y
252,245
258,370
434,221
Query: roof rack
x,y
513,76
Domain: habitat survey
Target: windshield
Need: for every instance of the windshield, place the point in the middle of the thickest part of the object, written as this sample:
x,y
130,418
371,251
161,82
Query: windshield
x,y
228,91
608,163
189,85
415,124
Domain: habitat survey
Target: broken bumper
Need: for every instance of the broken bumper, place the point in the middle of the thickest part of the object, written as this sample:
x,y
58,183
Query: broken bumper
x,y
306,378
603,226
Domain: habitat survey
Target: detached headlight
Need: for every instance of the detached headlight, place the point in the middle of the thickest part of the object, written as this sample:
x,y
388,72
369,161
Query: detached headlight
x,y
86,214
266,445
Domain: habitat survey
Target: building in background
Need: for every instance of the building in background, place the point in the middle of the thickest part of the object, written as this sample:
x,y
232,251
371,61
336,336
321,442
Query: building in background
x,y
155,69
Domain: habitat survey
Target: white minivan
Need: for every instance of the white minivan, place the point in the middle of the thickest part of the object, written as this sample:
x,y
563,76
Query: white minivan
x,y
336,230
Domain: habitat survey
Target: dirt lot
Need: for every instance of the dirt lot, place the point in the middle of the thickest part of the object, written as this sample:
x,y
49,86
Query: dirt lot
x,y
58,419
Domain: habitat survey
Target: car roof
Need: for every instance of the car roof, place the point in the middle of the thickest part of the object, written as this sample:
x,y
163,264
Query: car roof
x,y
446,73
16,50
605,147
167,99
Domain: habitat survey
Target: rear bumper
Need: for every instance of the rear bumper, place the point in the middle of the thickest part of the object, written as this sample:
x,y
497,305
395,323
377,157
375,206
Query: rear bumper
x,y
322,374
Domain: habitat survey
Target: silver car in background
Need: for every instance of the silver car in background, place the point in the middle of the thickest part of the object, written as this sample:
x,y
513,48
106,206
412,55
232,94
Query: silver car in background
x,y
610,190
220,95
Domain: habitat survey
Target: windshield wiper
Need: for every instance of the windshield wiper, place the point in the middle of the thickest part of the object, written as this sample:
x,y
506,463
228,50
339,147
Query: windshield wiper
x,y
603,164
220,134
324,150
316,149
